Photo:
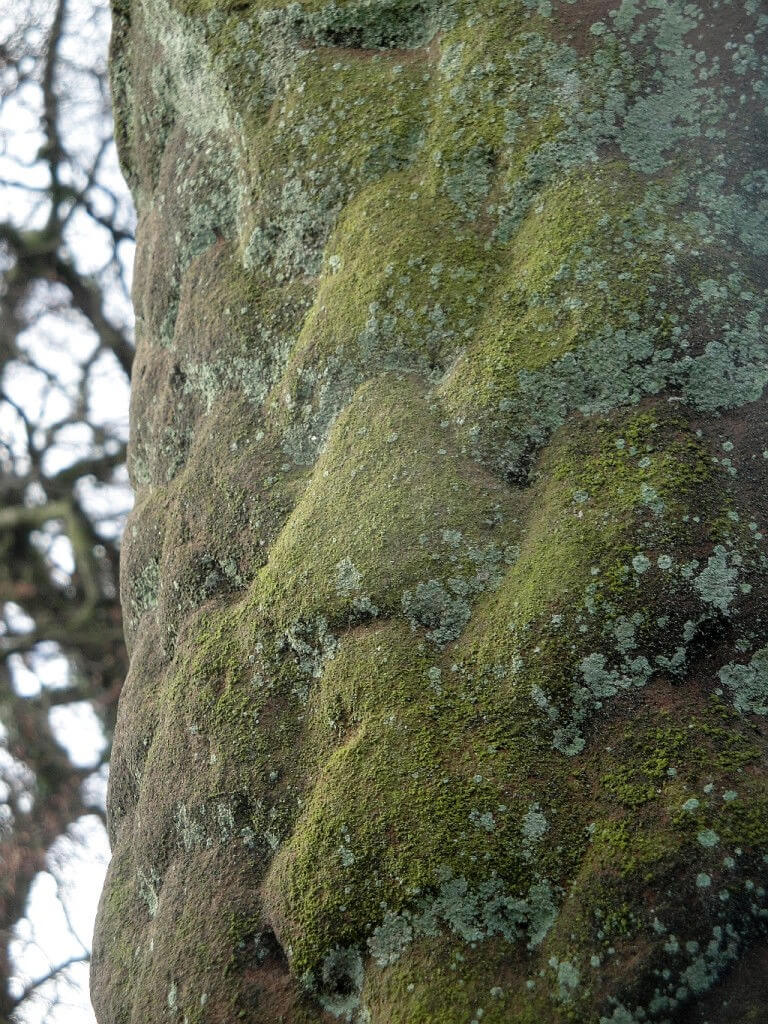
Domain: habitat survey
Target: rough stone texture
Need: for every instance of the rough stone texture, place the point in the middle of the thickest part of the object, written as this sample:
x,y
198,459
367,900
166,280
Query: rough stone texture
x,y
446,582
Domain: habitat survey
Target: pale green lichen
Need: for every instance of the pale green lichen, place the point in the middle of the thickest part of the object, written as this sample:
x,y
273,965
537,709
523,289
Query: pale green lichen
x,y
348,577
567,978
145,588
708,838
441,611
717,582
341,981
472,914
149,886
534,825
748,683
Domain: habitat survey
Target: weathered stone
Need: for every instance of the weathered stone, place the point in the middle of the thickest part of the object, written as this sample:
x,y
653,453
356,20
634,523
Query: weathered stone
x,y
446,581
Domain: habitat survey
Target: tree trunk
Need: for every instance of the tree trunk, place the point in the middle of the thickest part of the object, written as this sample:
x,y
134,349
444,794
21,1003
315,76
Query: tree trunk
x,y
446,582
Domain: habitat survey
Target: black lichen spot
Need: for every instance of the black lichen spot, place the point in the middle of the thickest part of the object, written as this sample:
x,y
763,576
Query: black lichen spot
x,y
518,473
387,25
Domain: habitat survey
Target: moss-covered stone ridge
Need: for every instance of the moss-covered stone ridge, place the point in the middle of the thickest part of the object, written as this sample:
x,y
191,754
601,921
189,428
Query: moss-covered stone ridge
x,y
446,581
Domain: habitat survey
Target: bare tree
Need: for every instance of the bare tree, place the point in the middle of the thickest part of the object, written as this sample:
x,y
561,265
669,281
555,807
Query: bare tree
x,y
66,349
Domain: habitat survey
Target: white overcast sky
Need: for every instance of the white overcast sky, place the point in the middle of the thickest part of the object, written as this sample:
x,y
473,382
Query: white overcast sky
x,y
63,900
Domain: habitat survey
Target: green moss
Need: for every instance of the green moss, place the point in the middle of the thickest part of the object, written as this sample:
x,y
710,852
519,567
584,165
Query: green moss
x,y
585,613
619,843
409,817
554,295
334,135
400,291
444,980
391,802
457,526
744,823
